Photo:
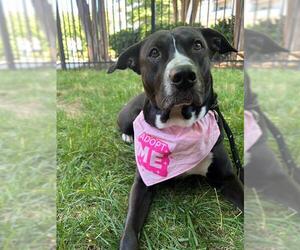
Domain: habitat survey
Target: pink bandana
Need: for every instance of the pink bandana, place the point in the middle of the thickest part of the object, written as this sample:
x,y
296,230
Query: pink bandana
x,y
162,154
252,131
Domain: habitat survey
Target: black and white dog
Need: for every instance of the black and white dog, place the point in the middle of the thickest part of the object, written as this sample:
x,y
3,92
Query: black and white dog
x,y
263,170
175,70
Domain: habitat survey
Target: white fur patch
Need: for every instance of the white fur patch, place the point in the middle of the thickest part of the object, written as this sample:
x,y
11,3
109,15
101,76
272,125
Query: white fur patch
x,y
202,112
127,138
202,167
247,158
176,121
176,118
178,59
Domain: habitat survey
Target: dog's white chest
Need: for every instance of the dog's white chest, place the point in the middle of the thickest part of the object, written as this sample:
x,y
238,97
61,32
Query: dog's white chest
x,y
177,119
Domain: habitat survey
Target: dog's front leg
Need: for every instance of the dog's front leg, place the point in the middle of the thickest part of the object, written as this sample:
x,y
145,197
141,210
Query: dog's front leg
x,y
220,175
139,202
233,190
266,175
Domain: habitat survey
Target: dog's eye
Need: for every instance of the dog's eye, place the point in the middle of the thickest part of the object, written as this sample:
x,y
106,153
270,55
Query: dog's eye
x,y
154,53
198,45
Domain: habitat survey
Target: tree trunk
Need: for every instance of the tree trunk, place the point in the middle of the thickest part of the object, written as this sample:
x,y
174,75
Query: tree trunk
x,y
194,11
60,41
44,14
85,18
239,26
95,32
103,31
175,9
184,9
5,38
291,31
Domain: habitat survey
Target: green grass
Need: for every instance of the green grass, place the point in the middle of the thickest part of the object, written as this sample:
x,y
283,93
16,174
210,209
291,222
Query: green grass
x,y
278,92
269,225
96,170
27,162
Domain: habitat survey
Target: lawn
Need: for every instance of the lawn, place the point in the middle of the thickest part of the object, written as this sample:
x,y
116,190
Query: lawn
x,y
96,170
28,159
269,225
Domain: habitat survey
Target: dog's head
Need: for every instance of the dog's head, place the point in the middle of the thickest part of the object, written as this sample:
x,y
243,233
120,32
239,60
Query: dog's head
x,y
257,45
175,65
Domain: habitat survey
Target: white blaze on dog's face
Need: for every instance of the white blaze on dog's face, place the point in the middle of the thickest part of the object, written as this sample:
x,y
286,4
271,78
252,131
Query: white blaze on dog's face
x,y
177,61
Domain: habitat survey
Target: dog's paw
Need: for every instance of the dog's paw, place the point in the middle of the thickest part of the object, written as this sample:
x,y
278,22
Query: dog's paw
x,y
127,138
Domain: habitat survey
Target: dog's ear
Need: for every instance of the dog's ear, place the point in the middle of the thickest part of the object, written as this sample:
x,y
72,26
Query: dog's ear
x,y
216,42
257,42
128,59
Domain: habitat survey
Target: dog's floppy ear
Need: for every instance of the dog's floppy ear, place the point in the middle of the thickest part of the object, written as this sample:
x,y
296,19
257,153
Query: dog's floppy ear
x,y
257,42
128,59
216,42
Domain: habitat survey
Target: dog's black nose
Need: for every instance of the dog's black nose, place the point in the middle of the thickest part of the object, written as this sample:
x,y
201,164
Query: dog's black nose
x,y
183,77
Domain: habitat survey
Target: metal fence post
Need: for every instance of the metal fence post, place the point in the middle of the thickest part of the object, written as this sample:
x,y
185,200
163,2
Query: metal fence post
x,y
60,41
152,16
5,38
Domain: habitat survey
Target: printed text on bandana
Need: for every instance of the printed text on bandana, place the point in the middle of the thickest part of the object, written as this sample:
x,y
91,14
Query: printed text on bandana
x,y
153,154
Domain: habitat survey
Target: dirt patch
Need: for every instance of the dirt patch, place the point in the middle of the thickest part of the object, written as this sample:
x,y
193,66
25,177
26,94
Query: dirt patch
x,y
22,110
72,109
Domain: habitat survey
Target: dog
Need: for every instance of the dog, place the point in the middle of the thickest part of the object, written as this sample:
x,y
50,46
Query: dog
x,y
178,93
263,170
